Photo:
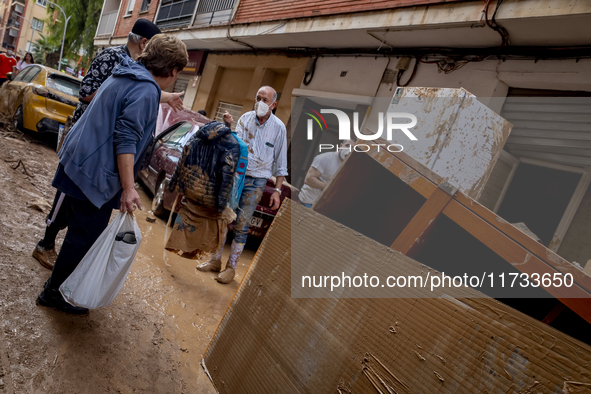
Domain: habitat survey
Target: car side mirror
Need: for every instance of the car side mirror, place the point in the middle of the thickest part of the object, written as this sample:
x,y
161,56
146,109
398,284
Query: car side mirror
x,y
9,76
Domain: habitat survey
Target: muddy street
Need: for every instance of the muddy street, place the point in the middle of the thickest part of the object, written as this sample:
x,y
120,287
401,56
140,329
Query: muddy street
x,y
150,340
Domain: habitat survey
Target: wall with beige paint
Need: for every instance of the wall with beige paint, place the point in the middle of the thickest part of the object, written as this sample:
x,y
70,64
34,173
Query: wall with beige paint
x,y
34,10
235,79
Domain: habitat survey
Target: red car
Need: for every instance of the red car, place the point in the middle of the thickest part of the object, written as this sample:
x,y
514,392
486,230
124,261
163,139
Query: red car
x,y
159,165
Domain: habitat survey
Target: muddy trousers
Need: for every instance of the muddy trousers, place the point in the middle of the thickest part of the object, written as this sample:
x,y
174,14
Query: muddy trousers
x,y
57,220
85,224
249,199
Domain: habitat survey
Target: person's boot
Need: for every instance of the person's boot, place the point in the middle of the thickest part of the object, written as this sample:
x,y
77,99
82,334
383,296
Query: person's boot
x,y
210,266
227,275
51,298
45,256
214,264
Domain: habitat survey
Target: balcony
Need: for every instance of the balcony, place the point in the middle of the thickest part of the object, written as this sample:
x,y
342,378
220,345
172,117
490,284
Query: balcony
x,y
107,24
13,23
175,13
213,12
18,8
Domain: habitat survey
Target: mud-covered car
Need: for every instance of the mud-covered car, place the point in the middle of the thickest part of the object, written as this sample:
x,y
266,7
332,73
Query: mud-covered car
x,y
160,162
39,98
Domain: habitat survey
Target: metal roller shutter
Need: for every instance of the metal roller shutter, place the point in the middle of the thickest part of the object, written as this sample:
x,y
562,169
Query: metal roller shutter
x,y
550,126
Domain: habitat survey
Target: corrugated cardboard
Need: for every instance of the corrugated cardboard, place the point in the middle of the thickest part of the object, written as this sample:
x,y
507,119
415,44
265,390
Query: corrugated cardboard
x,y
269,342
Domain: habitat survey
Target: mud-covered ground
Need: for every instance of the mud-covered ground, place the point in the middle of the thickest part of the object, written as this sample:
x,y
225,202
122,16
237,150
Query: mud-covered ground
x,y
150,340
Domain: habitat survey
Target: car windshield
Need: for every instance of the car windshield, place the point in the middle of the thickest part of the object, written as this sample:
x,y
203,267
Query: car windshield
x,y
176,136
65,85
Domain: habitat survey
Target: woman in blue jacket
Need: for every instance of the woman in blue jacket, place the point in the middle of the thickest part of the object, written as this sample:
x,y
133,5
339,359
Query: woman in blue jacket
x,y
102,154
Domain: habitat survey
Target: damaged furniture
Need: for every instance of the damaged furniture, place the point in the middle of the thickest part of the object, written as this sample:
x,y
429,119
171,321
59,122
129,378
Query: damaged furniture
x,y
269,342
411,215
422,216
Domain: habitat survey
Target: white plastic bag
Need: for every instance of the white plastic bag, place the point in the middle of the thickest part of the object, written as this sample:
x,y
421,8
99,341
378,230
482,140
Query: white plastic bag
x,y
102,271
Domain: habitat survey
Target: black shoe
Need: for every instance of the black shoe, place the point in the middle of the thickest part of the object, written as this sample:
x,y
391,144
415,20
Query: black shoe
x,y
54,300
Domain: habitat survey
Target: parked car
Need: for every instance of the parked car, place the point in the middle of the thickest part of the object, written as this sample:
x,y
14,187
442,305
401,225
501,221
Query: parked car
x,y
159,165
39,98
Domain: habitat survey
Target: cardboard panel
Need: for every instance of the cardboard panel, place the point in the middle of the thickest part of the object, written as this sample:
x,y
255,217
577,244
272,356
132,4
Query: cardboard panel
x,y
269,342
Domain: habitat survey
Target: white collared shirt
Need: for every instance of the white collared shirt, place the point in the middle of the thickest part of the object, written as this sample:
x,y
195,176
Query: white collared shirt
x,y
267,145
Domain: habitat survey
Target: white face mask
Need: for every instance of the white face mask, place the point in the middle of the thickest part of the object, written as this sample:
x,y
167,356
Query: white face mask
x,y
261,108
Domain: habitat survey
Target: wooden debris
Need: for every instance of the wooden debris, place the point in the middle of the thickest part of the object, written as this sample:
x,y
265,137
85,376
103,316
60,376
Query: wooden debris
x,y
18,164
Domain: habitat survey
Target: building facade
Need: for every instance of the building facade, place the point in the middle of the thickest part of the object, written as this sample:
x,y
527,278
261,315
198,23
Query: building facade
x,y
220,82
22,21
35,13
513,55
12,22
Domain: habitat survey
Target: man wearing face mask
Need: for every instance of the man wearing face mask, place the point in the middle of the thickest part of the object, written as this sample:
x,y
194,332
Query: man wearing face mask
x,y
323,168
265,136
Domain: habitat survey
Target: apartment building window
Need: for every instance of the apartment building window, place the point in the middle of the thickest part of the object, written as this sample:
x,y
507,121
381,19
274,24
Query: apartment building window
x,y
213,12
37,24
145,6
130,6
42,3
175,13
233,109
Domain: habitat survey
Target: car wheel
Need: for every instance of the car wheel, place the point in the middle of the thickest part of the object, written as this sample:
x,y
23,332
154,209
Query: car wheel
x,y
17,119
158,201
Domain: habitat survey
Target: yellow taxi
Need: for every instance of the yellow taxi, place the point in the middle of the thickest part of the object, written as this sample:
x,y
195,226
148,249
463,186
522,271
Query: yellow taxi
x,y
39,98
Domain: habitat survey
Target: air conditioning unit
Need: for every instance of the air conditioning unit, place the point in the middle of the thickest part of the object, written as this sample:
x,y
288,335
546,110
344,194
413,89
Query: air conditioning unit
x,y
13,33
19,8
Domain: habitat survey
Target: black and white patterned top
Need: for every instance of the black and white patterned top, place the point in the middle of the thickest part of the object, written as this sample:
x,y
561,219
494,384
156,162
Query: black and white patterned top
x,y
100,69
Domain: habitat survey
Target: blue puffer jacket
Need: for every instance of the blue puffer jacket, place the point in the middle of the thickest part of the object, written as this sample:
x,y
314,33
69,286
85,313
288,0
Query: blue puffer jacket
x,y
120,119
240,174
205,171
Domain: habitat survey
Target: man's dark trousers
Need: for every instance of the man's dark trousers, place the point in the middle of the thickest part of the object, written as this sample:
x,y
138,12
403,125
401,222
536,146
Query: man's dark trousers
x,y
85,224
